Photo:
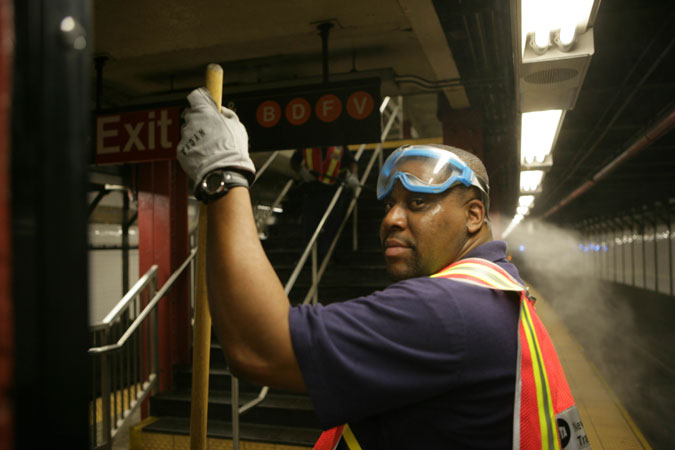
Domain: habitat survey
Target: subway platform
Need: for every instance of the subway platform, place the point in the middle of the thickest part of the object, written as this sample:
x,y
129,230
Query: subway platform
x,y
603,406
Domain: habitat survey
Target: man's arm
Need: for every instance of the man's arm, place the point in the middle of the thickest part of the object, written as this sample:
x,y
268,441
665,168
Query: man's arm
x,y
248,304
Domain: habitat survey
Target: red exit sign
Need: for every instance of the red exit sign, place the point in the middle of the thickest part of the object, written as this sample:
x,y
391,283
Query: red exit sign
x,y
144,135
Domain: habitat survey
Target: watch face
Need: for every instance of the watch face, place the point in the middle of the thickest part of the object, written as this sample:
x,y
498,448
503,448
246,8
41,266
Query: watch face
x,y
213,182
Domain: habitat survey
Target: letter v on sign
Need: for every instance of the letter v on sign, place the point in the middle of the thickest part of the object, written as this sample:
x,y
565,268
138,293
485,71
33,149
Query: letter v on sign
x,y
360,105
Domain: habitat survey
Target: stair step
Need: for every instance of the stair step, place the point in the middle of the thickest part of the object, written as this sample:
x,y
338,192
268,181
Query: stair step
x,y
219,377
219,429
277,409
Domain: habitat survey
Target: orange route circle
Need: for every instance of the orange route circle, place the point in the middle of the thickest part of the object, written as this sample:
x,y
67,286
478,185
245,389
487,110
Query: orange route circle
x,y
328,108
360,104
298,111
268,113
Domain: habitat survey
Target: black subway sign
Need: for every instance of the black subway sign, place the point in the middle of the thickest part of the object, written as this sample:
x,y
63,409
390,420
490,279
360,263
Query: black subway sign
x,y
308,116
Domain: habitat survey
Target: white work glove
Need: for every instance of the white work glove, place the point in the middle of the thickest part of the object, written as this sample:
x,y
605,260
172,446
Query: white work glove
x,y
352,182
306,175
211,140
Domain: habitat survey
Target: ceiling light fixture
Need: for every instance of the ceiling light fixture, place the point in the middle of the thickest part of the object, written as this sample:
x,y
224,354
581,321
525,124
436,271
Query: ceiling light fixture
x,y
537,134
526,201
540,18
530,180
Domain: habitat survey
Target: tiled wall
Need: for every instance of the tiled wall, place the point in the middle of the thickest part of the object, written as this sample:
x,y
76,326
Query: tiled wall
x,y
105,268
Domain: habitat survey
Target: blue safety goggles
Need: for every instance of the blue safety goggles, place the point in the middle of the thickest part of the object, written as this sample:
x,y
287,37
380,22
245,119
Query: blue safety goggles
x,y
436,170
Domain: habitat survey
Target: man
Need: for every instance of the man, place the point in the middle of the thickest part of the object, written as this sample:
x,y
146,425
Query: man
x,y
429,362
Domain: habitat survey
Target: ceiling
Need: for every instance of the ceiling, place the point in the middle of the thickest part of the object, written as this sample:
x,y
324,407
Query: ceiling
x,y
629,87
461,50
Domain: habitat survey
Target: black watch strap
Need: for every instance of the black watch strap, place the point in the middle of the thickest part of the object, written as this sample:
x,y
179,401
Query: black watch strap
x,y
218,182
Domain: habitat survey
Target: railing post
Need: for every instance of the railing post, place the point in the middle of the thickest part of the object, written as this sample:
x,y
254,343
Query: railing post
x,y
355,226
670,253
656,257
644,253
315,297
632,251
106,431
154,333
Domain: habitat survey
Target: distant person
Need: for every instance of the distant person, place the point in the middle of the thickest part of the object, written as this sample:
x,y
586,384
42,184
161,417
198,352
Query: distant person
x,y
322,170
450,356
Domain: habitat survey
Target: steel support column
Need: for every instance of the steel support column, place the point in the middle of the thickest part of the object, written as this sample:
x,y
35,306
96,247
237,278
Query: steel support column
x,y
49,156
7,352
163,240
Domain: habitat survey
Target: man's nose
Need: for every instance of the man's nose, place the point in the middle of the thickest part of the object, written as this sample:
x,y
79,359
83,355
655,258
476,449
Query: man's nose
x,y
394,218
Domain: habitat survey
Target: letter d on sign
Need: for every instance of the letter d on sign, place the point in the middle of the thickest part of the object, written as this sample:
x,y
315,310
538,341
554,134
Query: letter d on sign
x,y
298,111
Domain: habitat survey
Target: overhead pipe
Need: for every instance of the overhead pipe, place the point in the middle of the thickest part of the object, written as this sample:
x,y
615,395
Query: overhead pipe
x,y
324,29
642,142
626,101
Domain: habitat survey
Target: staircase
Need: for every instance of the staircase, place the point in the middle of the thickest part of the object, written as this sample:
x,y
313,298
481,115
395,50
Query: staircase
x,y
284,420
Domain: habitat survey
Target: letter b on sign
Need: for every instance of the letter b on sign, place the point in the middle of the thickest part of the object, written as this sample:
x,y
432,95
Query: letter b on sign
x,y
268,113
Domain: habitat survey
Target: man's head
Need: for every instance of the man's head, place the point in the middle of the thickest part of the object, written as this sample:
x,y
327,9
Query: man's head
x,y
435,208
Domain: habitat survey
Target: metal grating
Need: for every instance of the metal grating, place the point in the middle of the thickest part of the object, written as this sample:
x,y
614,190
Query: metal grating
x,y
551,76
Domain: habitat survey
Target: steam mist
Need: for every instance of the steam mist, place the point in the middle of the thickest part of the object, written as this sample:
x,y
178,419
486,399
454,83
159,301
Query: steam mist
x,y
616,324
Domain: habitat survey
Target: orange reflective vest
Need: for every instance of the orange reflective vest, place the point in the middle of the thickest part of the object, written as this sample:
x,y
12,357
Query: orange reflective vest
x,y
545,416
326,169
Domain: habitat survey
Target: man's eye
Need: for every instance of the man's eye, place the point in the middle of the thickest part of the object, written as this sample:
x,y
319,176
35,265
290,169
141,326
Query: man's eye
x,y
387,206
418,202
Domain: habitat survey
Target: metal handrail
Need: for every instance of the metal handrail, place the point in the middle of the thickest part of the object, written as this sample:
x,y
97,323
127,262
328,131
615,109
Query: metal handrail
x,y
265,165
298,268
128,297
130,387
148,308
350,210
352,205
311,245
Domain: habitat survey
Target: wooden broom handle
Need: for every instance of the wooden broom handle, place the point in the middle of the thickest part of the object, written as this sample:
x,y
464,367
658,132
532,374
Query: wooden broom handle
x,y
202,326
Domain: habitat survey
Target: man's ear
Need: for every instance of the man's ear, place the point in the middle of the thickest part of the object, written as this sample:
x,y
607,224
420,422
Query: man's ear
x,y
475,215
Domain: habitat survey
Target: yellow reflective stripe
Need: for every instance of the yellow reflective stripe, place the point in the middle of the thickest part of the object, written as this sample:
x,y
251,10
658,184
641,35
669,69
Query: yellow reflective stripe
x,y
547,422
490,277
308,159
350,439
486,274
331,170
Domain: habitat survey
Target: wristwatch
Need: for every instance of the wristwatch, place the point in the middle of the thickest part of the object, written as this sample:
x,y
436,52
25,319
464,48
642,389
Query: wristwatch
x,y
218,182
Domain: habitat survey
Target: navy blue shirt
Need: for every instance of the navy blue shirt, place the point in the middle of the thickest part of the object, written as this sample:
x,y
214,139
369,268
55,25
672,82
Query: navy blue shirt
x,y
427,363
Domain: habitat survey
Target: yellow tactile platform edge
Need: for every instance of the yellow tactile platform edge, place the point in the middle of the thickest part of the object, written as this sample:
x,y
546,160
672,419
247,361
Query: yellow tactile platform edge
x,y
607,423
138,440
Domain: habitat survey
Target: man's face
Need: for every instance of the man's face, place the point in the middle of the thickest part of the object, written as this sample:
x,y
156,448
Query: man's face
x,y
422,233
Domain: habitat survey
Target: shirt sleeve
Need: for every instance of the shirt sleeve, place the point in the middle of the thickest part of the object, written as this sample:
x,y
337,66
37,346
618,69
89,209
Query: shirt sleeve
x,y
368,355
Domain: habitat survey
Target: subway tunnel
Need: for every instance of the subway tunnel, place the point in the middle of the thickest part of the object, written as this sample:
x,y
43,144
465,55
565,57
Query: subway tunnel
x,y
99,224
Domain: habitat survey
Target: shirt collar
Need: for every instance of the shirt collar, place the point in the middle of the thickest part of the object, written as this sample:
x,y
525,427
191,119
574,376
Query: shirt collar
x,y
494,251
